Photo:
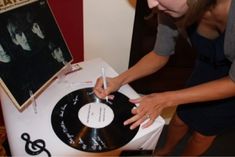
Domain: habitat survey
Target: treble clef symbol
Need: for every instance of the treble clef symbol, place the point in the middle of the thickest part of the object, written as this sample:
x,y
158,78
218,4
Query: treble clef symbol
x,y
36,147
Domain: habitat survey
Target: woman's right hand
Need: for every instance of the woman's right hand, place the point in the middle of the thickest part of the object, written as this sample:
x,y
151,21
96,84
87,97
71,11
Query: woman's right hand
x,y
113,84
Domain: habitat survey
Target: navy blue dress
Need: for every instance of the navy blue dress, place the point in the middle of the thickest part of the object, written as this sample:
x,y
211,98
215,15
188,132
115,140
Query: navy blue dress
x,y
213,117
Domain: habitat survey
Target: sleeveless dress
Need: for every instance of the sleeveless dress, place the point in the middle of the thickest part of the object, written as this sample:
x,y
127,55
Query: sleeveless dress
x,y
212,117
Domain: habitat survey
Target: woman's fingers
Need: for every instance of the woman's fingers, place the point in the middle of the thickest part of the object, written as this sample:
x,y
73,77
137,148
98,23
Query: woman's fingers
x,y
136,120
151,119
135,101
99,90
147,111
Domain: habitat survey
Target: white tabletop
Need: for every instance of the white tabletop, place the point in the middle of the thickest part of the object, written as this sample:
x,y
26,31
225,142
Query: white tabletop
x,y
38,124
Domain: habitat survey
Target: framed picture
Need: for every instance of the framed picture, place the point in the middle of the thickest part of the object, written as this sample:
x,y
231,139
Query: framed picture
x,y
32,50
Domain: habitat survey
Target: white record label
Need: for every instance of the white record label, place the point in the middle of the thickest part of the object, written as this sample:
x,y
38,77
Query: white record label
x,y
96,115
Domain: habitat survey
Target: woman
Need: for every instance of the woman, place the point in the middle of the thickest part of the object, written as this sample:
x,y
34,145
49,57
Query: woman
x,y
207,104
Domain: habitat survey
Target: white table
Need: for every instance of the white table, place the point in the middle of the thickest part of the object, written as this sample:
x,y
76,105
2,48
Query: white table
x,y
38,125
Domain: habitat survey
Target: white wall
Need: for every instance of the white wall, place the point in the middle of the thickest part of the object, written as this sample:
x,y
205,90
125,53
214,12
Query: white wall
x,y
108,26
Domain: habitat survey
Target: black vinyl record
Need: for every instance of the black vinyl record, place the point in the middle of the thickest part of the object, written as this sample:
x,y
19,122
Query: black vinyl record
x,y
85,122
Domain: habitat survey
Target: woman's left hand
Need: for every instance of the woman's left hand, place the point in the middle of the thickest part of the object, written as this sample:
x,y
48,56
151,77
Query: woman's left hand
x,y
150,107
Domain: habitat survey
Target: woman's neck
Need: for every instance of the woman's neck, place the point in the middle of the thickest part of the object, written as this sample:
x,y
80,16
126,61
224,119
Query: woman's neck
x,y
216,17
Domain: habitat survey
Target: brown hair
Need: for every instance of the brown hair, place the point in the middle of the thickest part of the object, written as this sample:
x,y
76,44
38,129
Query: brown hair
x,y
196,10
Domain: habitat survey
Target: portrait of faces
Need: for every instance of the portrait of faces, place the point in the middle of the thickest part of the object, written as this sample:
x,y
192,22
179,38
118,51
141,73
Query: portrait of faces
x,y
4,57
34,50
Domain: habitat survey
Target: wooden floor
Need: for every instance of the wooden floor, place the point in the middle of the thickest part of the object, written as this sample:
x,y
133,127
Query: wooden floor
x,y
168,113
222,146
2,140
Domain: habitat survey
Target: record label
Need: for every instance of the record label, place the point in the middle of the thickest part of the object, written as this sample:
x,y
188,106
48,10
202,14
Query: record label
x,y
96,115
86,123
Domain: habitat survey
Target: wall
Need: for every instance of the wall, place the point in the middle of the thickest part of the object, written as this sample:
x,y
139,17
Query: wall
x,y
108,26
106,30
69,15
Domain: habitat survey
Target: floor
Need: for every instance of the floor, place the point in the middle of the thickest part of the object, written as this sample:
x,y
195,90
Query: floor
x,y
2,140
222,146
168,113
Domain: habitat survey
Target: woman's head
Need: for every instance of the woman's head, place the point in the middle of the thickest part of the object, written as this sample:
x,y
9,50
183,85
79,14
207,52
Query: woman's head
x,y
175,8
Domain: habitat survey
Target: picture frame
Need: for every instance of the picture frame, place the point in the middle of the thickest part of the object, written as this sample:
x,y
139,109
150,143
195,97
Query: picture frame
x,y
32,50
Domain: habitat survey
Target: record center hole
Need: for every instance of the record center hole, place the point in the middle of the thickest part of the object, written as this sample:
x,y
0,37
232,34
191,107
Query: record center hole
x,y
96,115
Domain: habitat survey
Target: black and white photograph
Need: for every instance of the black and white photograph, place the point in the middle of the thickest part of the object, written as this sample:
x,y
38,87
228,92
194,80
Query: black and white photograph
x,y
32,50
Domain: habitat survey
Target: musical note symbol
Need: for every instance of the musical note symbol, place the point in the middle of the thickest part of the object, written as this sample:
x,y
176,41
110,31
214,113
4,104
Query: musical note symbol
x,y
34,147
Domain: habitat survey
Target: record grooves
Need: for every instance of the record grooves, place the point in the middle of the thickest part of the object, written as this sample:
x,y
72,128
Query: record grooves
x,y
85,122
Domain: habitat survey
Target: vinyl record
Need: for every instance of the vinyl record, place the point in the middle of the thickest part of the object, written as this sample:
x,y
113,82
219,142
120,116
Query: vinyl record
x,y
87,123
